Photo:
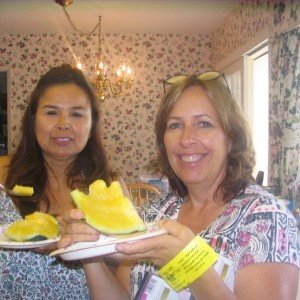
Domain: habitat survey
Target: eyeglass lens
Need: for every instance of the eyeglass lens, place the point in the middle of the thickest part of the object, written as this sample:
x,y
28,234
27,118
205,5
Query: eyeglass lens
x,y
209,75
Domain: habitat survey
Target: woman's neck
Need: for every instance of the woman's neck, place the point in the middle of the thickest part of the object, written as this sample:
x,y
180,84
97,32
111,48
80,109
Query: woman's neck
x,y
198,213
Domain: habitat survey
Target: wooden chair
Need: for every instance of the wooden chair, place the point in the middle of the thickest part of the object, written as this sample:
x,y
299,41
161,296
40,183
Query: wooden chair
x,y
140,192
259,178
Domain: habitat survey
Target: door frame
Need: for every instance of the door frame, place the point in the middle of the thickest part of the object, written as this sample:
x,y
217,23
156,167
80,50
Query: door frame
x,y
7,69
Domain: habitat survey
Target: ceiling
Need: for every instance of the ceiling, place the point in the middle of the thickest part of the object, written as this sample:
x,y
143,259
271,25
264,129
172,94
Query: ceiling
x,y
135,16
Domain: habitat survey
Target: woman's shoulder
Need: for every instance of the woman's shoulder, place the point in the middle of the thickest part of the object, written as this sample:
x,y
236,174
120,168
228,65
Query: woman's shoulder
x,y
8,212
4,166
5,160
257,199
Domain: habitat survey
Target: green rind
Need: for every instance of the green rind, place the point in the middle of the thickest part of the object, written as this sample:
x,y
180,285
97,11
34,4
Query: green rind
x,y
34,225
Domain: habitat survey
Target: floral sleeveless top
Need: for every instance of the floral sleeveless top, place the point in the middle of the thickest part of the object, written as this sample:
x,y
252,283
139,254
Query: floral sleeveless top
x,y
28,275
254,228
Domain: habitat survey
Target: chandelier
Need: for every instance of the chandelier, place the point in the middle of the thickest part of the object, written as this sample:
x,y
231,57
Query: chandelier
x,y
105,87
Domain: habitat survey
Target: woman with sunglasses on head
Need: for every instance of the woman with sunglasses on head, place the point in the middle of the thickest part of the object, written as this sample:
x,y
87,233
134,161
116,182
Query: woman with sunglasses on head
x,y
60,150
205,150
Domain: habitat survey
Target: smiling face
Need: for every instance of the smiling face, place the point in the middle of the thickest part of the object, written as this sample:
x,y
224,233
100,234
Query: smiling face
x,y
195,143
63,122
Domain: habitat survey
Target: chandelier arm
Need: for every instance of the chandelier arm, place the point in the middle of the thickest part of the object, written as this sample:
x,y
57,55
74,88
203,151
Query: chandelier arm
x,y
104,87
115,88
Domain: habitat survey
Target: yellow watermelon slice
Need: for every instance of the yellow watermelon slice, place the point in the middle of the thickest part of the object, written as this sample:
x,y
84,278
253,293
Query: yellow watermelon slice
x,y
23,190
107,209
35,226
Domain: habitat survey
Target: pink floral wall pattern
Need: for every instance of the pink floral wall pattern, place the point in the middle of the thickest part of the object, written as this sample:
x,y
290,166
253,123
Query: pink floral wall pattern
x,y
128,121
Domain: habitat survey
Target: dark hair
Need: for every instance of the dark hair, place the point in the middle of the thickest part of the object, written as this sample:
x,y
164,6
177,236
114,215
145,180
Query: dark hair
x,y
241,158
27,166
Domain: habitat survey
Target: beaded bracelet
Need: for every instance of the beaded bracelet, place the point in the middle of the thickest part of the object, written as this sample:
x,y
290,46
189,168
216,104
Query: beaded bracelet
x,y
189,264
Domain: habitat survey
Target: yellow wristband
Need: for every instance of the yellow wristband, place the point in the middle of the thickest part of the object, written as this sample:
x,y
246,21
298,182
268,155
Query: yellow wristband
x,y
189,264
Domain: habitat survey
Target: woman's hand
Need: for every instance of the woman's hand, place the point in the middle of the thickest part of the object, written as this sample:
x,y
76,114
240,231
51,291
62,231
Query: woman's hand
x,y
160,249
75,229
46,249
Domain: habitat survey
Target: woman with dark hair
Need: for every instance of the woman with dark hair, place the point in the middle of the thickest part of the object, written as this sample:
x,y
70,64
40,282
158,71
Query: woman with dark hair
x,y
226,237
60,150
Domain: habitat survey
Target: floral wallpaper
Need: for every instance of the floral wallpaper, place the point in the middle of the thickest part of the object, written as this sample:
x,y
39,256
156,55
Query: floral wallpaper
x,y
249,18
128,121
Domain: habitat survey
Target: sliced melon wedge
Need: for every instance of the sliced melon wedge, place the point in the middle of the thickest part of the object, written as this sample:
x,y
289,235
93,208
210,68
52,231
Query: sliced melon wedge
x,y
34,226
23,190
108,210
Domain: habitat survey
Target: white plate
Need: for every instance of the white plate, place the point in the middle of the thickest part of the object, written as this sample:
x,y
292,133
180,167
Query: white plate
x,y
7,243
105,245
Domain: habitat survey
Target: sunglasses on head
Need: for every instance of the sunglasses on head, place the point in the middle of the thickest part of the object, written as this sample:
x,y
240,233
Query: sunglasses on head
x,y
205,76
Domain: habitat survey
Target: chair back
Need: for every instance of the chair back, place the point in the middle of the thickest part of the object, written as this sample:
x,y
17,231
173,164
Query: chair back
x,y
259,178
141,192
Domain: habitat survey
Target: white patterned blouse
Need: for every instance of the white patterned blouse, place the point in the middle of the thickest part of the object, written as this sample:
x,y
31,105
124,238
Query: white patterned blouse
x,y
254,228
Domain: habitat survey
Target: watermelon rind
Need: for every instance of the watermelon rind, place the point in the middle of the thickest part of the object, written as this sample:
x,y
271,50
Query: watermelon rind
x,y
34,225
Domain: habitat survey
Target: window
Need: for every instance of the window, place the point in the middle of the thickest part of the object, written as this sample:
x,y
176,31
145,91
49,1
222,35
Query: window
x,y
248,80
260,117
